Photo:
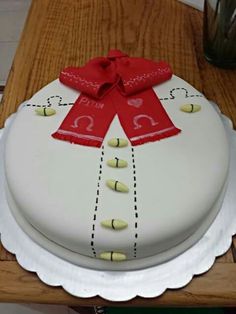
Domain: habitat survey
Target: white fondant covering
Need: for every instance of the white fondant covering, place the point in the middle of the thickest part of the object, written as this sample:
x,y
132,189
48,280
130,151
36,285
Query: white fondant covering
x,y
179,182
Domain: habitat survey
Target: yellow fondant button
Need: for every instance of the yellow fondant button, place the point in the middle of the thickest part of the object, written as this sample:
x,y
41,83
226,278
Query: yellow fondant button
x,y
45,111
118,142
113,256
190,108
116,224
117,163
117,186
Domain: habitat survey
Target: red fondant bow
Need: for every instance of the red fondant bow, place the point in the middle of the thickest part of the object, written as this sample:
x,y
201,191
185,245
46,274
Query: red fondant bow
x,y
114,85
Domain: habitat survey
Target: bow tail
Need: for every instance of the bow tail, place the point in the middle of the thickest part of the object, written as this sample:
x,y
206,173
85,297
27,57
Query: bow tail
x,y
143,118
87,122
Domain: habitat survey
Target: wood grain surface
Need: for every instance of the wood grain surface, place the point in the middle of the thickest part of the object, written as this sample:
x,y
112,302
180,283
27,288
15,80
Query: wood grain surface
x,y
60,33
216,288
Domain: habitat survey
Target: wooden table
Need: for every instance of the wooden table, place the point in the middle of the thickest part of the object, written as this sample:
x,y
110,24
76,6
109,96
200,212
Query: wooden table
x,y
59,33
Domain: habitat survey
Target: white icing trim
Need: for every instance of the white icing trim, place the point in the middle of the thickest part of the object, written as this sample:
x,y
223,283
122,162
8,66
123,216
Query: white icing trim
x,y
138,78
91,137
151,134
78,80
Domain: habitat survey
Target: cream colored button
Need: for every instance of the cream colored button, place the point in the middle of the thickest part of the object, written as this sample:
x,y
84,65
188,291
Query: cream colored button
x,y
117,163
117,186
116,224
118,142
45,111
113,256
190,108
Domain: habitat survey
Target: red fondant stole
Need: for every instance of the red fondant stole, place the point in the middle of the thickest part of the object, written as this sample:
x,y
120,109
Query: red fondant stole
x,y
116,85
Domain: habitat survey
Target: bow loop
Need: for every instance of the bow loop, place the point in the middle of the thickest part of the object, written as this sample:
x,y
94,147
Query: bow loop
x,y
115,53
139,74
95,79
101,74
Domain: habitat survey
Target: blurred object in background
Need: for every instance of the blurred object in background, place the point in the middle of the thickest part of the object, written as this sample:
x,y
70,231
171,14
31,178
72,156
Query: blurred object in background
x,y
219,32
12,17
197,4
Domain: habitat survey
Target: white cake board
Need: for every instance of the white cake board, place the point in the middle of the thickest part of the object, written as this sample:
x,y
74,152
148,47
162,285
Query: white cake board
x,y
119,285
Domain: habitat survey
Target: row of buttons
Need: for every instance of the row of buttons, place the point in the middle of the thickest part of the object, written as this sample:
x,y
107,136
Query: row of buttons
x,y
116,224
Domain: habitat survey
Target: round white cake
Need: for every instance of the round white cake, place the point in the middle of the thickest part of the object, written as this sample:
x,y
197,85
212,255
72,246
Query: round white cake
x,y
58,193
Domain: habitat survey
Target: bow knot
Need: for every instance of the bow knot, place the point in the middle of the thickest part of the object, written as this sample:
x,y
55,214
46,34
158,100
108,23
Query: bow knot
x,y
115,53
